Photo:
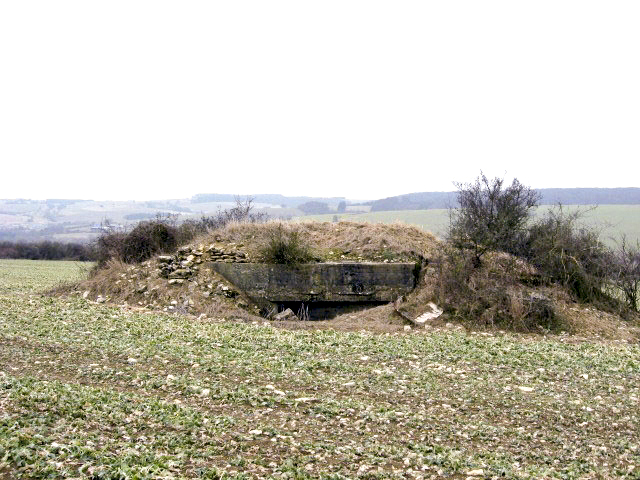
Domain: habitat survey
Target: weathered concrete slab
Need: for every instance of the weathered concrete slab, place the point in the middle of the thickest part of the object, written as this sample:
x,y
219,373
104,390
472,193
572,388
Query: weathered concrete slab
x,y
321,282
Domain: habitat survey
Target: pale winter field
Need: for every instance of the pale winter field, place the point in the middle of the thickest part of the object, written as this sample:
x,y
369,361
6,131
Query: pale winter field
x,y
100,391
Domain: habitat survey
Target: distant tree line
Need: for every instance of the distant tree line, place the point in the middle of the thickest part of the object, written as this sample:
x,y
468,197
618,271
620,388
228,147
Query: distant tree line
x,y
548,196
415,201
47,250
33,236
314,208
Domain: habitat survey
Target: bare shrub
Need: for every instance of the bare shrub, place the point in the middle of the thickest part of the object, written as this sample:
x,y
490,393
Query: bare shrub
x,y
490,216
626,271
109,246
148,239
570,254
564,251
492,295
242,212
164,234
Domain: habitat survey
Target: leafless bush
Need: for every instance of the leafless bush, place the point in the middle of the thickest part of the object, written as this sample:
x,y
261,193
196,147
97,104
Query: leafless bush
x,y
570,254
562,249
626,271
490,216
492,294
164,234
242,212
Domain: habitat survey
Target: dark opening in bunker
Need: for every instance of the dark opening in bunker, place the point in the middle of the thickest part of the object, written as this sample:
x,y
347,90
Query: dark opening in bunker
x,y
325,310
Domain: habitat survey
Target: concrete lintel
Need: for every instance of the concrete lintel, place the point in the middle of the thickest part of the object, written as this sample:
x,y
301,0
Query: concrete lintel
x,y
321,282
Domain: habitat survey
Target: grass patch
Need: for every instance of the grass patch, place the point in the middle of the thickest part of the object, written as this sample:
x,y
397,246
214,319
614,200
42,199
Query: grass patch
x,y
31,276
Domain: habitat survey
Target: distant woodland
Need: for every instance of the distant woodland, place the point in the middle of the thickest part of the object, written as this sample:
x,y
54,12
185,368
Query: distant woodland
x,y
550,196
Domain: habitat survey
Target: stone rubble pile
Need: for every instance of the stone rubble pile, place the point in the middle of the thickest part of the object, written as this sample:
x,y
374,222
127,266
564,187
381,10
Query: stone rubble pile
x,y
186,262
192,284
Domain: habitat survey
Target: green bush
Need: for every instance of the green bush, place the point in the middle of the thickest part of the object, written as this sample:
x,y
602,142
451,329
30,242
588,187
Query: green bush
x,y
286,247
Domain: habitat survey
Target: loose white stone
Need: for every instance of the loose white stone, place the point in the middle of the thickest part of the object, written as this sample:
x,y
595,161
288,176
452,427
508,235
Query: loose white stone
x,y
306,399
431,314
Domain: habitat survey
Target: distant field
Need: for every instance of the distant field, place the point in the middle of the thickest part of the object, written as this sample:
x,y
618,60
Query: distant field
x,y
613,220
92,391
31,276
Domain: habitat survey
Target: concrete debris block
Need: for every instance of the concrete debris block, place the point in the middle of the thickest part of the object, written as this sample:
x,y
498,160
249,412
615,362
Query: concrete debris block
x,y
86,294
432,313
101,299
286,315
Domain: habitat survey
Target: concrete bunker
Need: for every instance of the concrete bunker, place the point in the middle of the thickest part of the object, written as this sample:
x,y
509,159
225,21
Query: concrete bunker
x,y
324,290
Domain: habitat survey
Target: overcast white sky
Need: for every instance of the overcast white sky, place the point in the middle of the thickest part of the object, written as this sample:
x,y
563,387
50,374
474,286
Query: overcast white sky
x,y
364,99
